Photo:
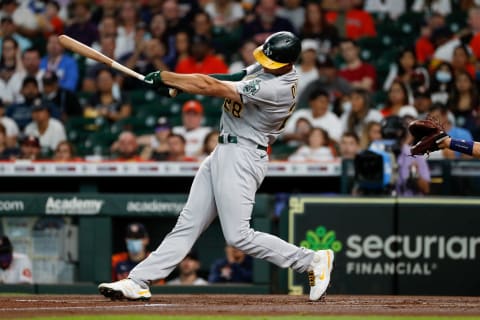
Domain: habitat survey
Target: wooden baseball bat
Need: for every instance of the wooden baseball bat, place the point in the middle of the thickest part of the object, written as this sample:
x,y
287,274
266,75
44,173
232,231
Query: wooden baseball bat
x,y
86,51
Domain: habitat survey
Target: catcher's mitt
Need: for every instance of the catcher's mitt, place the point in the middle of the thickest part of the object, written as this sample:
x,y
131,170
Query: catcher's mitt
x,y
427,135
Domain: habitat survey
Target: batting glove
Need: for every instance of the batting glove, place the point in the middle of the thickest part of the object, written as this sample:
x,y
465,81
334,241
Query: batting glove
x,y
154,79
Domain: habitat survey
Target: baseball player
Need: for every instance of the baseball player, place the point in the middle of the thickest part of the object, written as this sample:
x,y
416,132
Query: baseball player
x,y
258,102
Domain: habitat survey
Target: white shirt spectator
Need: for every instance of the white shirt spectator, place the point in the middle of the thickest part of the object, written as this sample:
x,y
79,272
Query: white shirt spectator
x,y
20,271
5,93
15,84
329,122
10,126
194,139
234,14
23,17
51,137
306,153
295,15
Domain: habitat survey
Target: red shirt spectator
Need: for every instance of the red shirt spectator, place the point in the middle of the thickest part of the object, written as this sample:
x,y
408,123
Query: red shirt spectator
x,y
202,60
357,72
357,23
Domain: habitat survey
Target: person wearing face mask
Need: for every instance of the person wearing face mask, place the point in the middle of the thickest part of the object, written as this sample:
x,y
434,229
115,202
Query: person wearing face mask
x,y
15,267
442,83
136,241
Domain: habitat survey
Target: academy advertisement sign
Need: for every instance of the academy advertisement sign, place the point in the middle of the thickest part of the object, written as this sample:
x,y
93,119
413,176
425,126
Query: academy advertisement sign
x,y
90,205
390,247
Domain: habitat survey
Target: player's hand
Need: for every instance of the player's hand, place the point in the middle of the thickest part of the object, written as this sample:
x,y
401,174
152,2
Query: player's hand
x,y
154,79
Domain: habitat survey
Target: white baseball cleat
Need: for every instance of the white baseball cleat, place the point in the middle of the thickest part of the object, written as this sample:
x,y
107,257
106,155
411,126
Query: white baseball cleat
x,y
124,289
319,273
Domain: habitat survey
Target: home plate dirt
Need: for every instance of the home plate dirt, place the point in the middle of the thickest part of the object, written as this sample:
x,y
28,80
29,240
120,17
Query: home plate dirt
x,y
207,304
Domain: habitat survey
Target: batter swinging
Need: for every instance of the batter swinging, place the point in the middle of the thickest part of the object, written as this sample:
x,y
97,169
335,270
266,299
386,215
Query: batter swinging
x,y
258,101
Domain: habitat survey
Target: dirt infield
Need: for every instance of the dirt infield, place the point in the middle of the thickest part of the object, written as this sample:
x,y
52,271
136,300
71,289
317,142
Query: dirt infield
x,y
48,305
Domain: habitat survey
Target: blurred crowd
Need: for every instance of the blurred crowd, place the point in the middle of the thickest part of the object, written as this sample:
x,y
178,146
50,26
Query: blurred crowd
x,y
361,62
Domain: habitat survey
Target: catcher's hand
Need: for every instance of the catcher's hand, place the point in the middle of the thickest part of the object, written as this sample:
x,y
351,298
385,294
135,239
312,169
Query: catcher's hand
x,y
427,135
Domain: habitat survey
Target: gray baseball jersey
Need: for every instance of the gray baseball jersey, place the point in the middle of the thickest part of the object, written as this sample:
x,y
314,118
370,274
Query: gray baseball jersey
x,y
267,102
227,180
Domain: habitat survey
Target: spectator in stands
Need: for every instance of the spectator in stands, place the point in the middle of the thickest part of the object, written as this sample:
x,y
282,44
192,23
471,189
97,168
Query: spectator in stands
x,y
266,22
300,134
107,47
9,29
444,41
125,148
464,102
202,59
386,8
6,151
29,148
182,44
361,113
443,80
409,71
422,102
104,102
21,113
50,22
371,132
246,57
22,16
9,64
177,148
474,24
11,128
31,68
226,15
15,267
80,26
188,272
128,21
191,128
349,145
441,113
158,28
234,268
61,63
64,100
173,18
328,79
50,131
424,47
147,57
294,11
105,8
319,147
318,114
65,152
316,27
107,28
307,65
462,60
352,22
397,98
360,74
136,240
155,146
209,144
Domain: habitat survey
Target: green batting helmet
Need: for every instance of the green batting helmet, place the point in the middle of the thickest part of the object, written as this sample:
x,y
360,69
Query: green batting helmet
x,y
280,49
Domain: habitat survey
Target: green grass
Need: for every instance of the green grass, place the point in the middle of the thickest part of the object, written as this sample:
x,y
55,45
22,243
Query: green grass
x,y
222,317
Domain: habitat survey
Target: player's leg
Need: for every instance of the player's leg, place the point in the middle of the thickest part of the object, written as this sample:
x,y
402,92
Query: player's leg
x,y
196,216
236,182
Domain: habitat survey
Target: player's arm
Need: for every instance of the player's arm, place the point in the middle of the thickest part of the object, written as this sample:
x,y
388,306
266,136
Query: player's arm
x,y
200,84
471,148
